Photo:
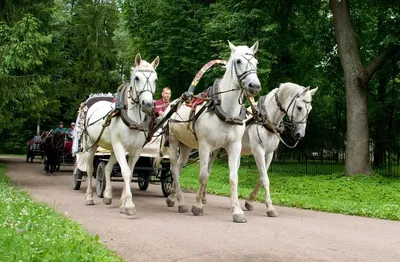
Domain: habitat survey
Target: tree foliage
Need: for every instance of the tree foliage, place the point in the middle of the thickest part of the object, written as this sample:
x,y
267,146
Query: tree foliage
x,y
54,53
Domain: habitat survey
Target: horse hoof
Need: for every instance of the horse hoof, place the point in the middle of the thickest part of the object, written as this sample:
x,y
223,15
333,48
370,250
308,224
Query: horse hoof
x,y
204,201
107,201
272,213
183,209
248,206
89,202
130,211
170,202
239,218
197,211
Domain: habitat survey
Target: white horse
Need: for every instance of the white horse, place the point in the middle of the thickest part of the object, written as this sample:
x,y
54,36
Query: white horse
x,y
118,137
209,132
289,99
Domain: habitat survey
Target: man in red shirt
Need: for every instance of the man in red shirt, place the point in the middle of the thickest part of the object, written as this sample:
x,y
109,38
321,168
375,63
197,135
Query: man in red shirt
x,y
161,105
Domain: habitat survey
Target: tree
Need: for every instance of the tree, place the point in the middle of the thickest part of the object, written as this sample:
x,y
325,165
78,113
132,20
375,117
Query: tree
x,y
357,78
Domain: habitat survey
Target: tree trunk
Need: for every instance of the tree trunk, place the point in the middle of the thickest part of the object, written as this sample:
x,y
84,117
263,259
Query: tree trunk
x,y
356,80
357,146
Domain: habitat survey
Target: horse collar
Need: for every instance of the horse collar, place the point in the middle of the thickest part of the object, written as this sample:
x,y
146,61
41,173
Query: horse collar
x,y
216,107
121,109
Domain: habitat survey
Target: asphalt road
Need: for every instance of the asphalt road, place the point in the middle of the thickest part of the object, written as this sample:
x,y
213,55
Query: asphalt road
x,y
160,233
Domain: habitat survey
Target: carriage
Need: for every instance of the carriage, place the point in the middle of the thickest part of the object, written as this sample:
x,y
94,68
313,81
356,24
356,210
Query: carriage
x,y
144,172
32,150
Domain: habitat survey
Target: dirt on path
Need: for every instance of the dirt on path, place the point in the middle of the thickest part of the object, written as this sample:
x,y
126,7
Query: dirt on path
x,y
160,233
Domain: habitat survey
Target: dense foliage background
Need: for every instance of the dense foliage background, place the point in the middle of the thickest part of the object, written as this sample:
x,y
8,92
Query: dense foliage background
x,y
54,53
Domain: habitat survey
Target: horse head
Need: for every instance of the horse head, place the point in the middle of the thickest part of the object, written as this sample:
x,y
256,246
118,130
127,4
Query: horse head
x,y
298,110
51,141
244,66
143,83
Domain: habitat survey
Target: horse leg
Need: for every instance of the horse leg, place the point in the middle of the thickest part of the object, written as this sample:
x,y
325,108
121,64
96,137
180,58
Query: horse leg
x,y
174,168
204,153
271,212
184,154
89,170
234,163
53,162
107,199
127,206
210,163
259,155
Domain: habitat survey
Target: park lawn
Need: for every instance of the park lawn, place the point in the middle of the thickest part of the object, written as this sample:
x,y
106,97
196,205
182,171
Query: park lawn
x,y
370,196
30,231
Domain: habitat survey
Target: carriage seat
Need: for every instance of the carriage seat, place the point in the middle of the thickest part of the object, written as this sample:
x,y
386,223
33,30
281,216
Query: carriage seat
x,y
198,100
92,100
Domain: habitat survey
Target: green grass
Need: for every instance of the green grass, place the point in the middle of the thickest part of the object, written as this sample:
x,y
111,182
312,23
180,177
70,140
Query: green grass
x,y
13,155
370,196
34,232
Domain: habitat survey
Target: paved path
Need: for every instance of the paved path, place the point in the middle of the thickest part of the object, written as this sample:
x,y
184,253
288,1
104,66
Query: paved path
x,y
159,233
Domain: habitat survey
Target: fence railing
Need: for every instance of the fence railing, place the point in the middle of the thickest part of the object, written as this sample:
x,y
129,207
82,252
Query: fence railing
x,y
328,161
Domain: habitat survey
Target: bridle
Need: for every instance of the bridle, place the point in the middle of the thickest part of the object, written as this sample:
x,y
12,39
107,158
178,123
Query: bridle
x,y
291,123
250,69
262,116
147,87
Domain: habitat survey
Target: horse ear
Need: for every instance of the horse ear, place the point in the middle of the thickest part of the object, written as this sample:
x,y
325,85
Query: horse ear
x,y
155,62
138,59
254,48
231,46
312,91
306,90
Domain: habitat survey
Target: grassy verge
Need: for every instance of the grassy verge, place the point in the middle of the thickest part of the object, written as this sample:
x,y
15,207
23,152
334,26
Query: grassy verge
x,y
373,196
34,232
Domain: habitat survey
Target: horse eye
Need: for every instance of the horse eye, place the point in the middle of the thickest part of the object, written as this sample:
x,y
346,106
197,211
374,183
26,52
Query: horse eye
x,y
136,78
299,108
156,80
238,62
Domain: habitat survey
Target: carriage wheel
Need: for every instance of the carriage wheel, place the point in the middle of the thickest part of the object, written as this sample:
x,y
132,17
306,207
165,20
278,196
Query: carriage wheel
x,y
166,184
101,179
77,175
143,184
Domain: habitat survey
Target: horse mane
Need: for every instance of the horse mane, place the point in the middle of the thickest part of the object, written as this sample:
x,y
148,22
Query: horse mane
x,y
288,89
101,95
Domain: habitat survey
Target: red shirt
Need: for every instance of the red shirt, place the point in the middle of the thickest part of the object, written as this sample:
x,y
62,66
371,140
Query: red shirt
x,y
160,105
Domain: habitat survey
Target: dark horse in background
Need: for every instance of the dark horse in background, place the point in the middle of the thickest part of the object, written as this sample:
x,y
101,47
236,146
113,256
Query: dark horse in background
x,y
53,146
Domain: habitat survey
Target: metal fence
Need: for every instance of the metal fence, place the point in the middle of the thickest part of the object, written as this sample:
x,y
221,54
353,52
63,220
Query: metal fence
x,y
307,159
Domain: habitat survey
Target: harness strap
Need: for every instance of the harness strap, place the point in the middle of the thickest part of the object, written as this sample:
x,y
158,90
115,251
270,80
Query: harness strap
x,y
107,122
196,116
